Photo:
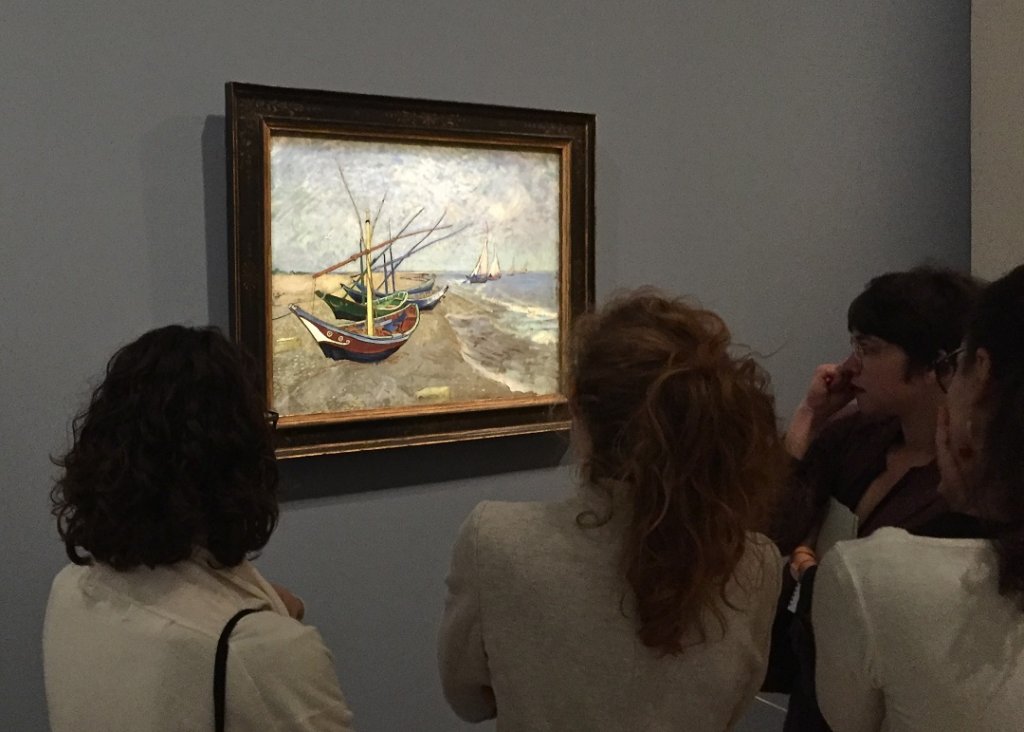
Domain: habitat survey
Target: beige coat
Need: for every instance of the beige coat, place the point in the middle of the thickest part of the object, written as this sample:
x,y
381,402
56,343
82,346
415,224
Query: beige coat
x,y
135,651
537,610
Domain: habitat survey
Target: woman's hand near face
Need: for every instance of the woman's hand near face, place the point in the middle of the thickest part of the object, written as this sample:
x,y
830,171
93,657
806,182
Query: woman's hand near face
x,y
829,391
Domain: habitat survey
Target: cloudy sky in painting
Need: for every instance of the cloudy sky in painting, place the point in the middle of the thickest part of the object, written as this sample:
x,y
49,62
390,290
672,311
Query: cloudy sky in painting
x,y
514,194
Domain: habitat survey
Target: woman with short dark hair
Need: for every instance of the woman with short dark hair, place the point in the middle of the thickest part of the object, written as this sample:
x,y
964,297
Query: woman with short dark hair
x,y
170,485
645,602
867,468
925,631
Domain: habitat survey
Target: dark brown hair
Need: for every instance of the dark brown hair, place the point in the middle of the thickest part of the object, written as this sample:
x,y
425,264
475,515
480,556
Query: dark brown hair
x,y
688,431
997,325
923,311
173,452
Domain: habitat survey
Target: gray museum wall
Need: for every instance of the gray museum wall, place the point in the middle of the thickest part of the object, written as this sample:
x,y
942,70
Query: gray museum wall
x,y
997,138
767,158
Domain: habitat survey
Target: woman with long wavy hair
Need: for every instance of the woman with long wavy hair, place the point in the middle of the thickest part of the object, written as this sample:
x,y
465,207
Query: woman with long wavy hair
x,y
645,601
170,486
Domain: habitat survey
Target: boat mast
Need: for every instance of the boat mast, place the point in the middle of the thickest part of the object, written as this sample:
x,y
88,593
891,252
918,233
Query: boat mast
x,y
391,256
368,273
483,261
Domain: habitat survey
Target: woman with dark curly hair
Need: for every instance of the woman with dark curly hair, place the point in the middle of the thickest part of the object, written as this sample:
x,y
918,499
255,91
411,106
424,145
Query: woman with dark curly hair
x,y
170,485
645,602
927,632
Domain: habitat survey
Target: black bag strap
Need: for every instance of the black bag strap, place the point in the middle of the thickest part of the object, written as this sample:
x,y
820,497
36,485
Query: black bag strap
x,y
220,667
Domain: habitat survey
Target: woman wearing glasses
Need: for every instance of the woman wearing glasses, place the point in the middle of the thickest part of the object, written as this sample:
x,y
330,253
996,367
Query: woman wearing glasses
x,y
926,632
170,485
879,461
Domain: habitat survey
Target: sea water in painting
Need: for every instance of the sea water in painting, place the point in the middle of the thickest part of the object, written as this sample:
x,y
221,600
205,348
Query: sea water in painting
x,y
460,249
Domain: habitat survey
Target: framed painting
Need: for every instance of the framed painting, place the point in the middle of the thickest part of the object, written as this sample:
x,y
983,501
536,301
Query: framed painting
x,y
407,271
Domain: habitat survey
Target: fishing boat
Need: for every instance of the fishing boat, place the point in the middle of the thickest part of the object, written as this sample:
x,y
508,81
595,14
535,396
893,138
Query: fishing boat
x,y
430,301
515,270
427,284
358,286
427,302
353,342
485,269
374,339
479,273
355,309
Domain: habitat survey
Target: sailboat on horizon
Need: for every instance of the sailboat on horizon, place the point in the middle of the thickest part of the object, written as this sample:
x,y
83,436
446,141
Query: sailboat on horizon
x,y
486,268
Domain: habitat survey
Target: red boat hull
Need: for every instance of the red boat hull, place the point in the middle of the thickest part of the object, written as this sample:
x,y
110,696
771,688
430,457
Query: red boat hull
x,y
350,341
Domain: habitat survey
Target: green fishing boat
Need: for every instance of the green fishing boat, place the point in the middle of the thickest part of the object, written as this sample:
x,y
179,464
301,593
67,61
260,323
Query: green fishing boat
x,y
347,310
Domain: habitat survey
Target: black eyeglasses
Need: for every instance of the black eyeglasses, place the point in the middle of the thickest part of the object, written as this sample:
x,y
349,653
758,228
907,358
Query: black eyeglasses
x,y
272,418
945,368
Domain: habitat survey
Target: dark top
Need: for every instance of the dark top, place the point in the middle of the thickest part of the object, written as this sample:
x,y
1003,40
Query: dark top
x,y
841,463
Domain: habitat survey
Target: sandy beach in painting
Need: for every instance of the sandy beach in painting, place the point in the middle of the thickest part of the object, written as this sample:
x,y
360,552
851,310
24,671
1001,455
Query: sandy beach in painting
x,y
462,350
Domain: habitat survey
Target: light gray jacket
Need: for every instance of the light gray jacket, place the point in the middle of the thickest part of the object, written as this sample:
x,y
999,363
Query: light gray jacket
x,y
537,609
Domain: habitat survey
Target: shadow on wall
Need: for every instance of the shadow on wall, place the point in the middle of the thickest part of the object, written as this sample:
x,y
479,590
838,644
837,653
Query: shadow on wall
x,y
360,472
215,214
169,157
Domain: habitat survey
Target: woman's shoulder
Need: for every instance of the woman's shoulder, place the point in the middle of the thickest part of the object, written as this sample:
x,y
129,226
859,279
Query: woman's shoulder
x,y
190,596
761,564
894,578
761,553
893,544
526,515
95,581
69,576
523,527
892,555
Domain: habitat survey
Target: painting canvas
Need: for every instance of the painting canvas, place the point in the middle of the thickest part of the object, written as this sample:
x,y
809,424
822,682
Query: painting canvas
x,y
475,245
418,282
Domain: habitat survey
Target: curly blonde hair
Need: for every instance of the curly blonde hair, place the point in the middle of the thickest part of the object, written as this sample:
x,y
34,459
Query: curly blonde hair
x,y
688,432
